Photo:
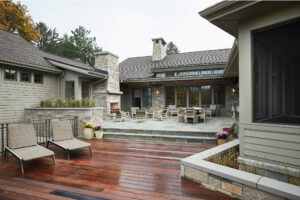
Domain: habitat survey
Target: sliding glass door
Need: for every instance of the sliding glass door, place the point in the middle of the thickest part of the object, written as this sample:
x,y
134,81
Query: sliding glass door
x,y
181,96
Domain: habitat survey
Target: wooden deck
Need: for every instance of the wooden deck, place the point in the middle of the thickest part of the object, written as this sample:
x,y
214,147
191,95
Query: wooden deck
x,y
119,169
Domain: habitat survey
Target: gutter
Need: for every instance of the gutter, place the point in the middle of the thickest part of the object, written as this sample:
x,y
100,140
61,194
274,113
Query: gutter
x,y
30,66
174,79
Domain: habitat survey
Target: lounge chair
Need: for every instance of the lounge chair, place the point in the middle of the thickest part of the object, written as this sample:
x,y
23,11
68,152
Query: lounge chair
x,y
141,114
63,138
172,110
23,144
161,114
190,113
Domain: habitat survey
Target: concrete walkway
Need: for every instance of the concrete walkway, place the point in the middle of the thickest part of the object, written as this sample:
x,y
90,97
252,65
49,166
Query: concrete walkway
x,y
213,124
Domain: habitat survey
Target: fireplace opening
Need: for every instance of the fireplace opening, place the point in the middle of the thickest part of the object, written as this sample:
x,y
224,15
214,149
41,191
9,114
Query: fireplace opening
x,y
113,106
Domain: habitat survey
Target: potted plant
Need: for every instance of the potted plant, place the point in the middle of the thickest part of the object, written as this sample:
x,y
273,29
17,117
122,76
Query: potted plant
x,y
98,131
221,136
230,135
88,130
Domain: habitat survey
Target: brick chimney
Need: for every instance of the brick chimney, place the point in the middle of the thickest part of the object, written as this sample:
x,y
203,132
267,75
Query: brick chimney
x,y
159,49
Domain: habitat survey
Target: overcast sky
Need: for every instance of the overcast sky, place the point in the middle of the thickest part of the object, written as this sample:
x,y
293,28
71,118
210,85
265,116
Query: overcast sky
x,y
126,27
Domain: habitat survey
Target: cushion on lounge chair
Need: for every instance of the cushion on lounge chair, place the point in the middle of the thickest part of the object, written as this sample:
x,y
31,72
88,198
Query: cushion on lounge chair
x,y
21,136
33,152
72,144
62,130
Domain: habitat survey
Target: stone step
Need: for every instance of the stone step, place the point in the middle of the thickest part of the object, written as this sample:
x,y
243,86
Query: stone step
x,y
162,132
160,138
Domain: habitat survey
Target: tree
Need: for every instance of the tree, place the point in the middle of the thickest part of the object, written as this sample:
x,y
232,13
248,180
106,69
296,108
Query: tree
x,y
172,48
14,17
79,46
49,39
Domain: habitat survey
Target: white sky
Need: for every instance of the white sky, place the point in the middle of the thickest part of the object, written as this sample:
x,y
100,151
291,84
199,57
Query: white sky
x,y
126,27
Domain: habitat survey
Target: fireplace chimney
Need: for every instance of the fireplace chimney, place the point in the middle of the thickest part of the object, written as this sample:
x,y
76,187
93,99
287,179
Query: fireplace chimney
x,y
159,49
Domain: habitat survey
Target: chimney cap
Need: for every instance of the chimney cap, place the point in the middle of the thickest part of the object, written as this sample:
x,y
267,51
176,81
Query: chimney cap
x,y
162,39
105,53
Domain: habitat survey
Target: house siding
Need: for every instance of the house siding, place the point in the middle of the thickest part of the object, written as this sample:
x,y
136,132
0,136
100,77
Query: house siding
x,y
278,144
16,95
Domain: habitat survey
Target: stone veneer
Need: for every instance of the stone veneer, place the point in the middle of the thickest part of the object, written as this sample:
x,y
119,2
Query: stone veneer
x,y
94,114
107,91
233,182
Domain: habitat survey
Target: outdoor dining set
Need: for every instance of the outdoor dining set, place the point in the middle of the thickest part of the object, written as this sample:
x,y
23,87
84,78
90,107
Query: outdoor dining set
x,y
185,115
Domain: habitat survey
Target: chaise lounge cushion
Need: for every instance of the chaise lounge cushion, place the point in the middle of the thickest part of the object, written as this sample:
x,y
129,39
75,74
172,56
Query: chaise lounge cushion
x,y
72,144
33,152
62,130
21,136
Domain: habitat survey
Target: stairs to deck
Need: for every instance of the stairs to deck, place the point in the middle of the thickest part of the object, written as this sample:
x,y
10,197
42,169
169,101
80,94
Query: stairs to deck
x,y
161,135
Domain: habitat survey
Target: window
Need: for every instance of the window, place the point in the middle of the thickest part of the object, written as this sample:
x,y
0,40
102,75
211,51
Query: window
x,y
206,95
170,95
206,72
85,90
38,78
193,96
218,71
136,97
160,75
219,95
181,73
181,96
169,74
147,97
193,73
276,71
25,77
69,93
10,74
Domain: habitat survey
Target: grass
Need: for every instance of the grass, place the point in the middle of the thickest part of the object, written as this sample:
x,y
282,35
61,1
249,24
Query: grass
x,y
227,158
67,103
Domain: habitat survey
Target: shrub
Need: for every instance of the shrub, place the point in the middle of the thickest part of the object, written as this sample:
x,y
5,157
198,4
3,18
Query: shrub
x,y
59,103
85,102
46,103
91,103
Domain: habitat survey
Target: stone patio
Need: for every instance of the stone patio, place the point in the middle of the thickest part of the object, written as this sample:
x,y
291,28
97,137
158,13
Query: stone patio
x,y
213,124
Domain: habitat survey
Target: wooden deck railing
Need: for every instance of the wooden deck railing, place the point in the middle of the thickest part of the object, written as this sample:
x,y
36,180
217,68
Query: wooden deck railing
x,y
43,131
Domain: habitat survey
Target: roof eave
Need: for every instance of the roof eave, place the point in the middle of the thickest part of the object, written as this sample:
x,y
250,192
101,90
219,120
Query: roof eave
x,y
215,14
30,66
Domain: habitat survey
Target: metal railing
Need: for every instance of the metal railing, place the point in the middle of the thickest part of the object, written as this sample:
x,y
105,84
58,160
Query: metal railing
x,y
43,131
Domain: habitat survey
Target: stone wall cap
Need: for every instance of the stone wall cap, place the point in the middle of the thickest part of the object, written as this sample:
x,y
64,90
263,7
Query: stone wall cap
x,y
105,53
279,188
67,108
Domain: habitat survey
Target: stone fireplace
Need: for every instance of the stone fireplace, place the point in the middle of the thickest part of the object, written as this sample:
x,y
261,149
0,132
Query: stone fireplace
x,y
113,106
107,93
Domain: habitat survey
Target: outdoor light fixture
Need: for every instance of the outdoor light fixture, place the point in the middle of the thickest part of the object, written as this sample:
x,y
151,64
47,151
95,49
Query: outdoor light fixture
x,y
157,92
233,90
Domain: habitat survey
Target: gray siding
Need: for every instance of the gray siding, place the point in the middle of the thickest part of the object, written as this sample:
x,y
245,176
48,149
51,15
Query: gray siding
x,y
273,143
16,95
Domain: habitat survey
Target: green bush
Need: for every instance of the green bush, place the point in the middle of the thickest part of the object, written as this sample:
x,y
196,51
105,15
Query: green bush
x,y
67,103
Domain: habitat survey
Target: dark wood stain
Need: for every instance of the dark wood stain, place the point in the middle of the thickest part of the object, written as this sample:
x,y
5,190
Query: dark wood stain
x,y
119,169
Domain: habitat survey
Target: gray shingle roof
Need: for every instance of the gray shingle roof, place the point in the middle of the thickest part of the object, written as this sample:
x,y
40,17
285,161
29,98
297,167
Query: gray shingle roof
x,y
140,67
15,49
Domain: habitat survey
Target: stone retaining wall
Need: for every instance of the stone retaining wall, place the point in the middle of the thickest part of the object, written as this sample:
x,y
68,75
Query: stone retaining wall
x,y
233,182
94,115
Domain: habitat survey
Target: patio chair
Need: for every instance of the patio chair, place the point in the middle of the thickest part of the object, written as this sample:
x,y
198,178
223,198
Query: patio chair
x,y
202,115
133,111
121,116
150,112
63,138
212,110
190,113
141,114
172,110
23,144
181,114
161,114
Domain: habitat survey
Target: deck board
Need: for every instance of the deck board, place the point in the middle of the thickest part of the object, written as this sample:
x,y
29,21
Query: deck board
x,y
119,169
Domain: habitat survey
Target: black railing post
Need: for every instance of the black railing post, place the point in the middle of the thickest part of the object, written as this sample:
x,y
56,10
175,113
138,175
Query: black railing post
x,y
2,139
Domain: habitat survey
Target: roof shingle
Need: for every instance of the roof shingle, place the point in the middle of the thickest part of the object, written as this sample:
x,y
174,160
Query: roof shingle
x,y
140,67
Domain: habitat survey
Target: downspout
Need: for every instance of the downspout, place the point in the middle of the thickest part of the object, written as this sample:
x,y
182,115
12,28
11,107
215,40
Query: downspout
x,y
58,91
